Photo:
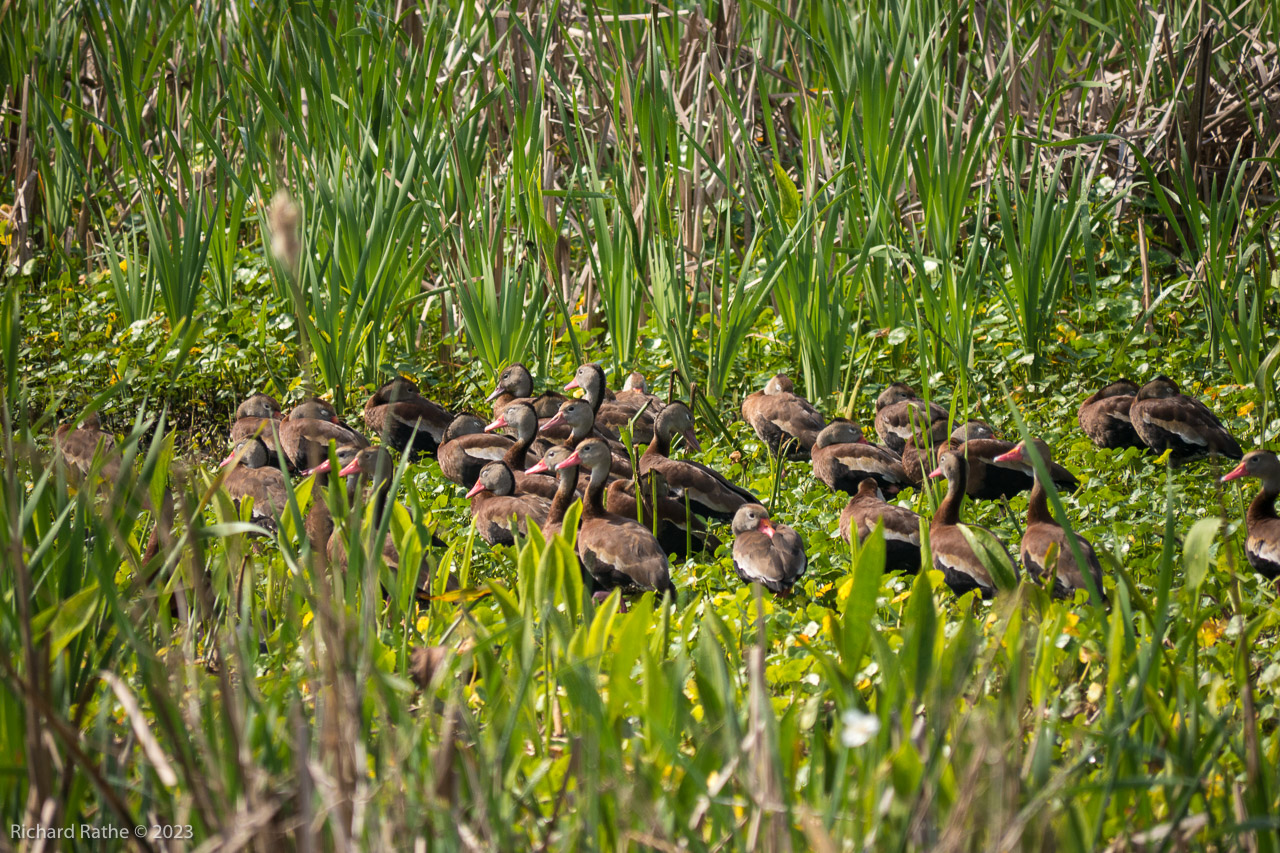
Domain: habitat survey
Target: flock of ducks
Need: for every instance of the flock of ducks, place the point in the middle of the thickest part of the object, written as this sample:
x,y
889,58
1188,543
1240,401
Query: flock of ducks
x,y
538,454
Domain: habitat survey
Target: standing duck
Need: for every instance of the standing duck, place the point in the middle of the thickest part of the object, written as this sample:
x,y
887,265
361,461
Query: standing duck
x,y
611,416
1044,535
919,458
467,448
962,569
259,416
566,486
306,433
1104,417
900,414
901,526
991,479
617,552
1262,544
405,419
783,419
516,383
494,504
708,492
1167,419
842,458
678,530
78,446
766,553
256,476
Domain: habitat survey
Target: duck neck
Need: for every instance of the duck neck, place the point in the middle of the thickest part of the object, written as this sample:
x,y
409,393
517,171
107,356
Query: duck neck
x,y
1264,505
949,509
661,444
1038,505
593,392
593,506
567,480
516,453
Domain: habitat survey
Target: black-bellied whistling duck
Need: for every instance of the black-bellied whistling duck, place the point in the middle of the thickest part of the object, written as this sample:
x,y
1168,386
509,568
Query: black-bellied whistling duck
x,y
259,416
842,458
578,416
494,503
405,419
256,476
1166,419
1262,542
516,383
766,553
467,448
783,419
1104,417
678,530
708,492
617,552
919,458
306,433
77,446
900,414
319,521
1044,535
635,393
611,416
901,526
990,480
566,480
522,420
962,569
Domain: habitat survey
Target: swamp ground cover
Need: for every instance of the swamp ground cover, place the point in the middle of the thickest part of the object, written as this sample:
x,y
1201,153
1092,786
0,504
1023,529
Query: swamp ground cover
x,y
1006,207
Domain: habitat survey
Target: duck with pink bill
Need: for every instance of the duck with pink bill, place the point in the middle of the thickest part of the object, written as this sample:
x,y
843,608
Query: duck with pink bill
x,y
468,448
500,512
611,416
581,420
1046,549
254,474
766,553
961,567
1262,542
709,493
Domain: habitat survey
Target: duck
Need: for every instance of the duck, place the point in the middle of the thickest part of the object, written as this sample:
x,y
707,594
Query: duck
x,y
1262,527
842,458
319,521
1104,416
900,414
1168,420
375,465
766,553
961,568
494,503
990,480
406,420
709,494
253,474
678,530
901,526
919,458
635,393
78,445
611,417
259,415
521,418
467,448
579,418
516,383
306,433
566,480
617,552
1044,535
783,419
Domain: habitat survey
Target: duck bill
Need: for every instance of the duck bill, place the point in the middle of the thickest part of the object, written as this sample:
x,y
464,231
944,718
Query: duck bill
x,y
766,528
540,467
1235,473
230,458
862,439
497,392
353,467
692,440
573,383
1014,455
936,472
556,420
323,468
498,424
574,459
476,489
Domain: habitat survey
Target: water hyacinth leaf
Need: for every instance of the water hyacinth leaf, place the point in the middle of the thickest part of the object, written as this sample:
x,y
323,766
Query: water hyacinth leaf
x,y
921,620
1195,551
860,606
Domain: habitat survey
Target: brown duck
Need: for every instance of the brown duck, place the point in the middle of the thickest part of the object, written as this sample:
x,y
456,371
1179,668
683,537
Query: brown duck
x,y
1104,416
258,416
900,414
611,417
1167,419
467,448
919,458
516,383
617,552
901,526
679,531
494,505
1262,542
566,480
579,418
522,420
1044,536
306,433
952,555
405,419
709,494
254,475
842,458
990,479
635,393
766,553
78,446
783,419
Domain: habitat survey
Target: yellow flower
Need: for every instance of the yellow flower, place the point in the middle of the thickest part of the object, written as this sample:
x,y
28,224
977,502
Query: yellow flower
x,y
1245,409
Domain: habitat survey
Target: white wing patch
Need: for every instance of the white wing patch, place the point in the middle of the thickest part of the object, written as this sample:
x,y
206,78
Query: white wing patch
x,y
1178,428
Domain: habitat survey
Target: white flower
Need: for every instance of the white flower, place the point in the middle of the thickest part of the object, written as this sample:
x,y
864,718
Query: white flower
x,y
859,728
